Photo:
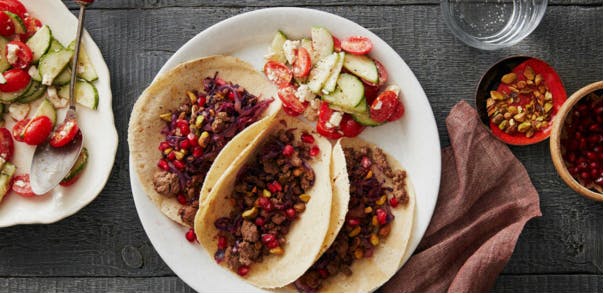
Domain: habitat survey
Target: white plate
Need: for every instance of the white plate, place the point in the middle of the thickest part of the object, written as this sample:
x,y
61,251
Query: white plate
x,y
100,135
413,140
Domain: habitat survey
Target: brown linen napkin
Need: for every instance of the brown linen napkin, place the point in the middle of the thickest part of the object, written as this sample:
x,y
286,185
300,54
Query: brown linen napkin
x,y
485,199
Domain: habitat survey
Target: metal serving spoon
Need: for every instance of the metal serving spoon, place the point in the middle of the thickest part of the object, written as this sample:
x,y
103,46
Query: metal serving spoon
x,y
50,165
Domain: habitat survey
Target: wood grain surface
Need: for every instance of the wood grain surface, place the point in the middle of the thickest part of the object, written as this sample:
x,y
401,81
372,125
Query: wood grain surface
x,y
104,248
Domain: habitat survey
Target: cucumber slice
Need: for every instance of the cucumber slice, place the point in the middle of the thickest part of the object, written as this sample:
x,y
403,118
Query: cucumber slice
x,y
85,92
348,94
46,109
361,66
12,96
321,71
322,41
63,78
358,109
34,73
276,49
85,68
34,93
52,63
78,167
55,46
18,22
6,176
330,85
364,119
4,64
307,44
40,42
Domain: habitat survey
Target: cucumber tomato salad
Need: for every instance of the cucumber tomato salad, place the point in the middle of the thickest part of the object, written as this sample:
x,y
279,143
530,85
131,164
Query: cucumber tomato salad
x,y
35,70
333,82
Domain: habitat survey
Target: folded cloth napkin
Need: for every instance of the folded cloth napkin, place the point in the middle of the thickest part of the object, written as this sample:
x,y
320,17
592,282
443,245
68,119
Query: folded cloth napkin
x,y
485,199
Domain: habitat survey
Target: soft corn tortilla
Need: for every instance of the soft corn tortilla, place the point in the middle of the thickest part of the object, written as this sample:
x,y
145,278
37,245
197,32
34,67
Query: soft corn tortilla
x,y
163,95
369,274
306,234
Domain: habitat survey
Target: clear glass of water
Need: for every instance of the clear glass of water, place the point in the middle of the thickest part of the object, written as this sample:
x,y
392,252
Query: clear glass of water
x,y
492,24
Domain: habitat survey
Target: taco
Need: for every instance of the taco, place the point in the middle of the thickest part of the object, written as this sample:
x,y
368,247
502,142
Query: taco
x,y
374,232
267,217
182,126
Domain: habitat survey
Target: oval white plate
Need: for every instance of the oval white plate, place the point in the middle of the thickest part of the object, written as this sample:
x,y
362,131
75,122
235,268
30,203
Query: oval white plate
x,y
100,135
413,140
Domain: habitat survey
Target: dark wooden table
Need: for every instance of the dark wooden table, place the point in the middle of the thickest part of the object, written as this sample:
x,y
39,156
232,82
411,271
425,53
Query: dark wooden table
x,y
104,248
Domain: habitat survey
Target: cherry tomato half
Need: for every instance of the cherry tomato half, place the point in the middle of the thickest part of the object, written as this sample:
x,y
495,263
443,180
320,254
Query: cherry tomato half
x,y
278,73
16,80
324,115
349,127
64,133
22,186
302,63
383,107
7,27
399,111
7,147
13,6
357,45
382,73
288,97
37,131
18,129
371,92
33,25
23,52
69,182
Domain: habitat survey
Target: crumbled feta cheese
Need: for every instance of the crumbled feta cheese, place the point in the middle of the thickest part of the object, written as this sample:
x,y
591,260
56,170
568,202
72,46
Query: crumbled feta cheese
x,y
47,79
289,50
18,111
335,119
11,53
2,79
53,97
33,71
378,105
304,94
394,88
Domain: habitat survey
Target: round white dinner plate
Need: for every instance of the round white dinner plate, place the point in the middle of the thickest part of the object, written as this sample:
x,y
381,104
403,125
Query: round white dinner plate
x,y
413,140
98,128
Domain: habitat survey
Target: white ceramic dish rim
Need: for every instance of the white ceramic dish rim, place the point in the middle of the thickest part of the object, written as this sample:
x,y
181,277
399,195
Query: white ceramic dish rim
x,y
62,202
148,213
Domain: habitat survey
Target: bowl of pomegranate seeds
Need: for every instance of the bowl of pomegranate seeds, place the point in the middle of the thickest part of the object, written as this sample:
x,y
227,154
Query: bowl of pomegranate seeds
x,y
576,141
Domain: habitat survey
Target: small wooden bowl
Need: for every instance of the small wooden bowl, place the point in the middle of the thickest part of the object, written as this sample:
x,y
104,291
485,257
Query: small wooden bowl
x,y
554,142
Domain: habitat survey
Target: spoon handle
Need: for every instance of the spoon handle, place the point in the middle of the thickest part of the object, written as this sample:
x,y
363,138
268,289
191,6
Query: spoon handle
x,y
76,55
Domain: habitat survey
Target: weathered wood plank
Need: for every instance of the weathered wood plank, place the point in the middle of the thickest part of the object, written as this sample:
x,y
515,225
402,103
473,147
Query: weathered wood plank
x,y
172,284
136,43
149,4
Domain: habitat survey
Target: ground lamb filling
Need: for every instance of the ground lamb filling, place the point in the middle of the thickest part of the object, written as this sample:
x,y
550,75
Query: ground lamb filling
x,y
194,135
369,218
268,196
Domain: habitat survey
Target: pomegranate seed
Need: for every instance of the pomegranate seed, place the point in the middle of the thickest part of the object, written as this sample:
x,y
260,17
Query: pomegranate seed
x,y
591,155
190,235
243,270
192,139
353,222
268,238
184,129
163,146
314,151
163,164
274,187
222,242
288,150
184,144
273,244
365,162
259,221
381,216
197,152
323,272
584,175
171,155
307,138
291,213
264,203
594,173
179,165
219,81
394,202
231,96
181,199
201,101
